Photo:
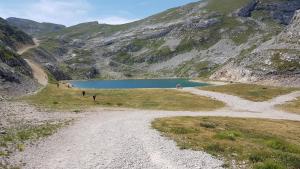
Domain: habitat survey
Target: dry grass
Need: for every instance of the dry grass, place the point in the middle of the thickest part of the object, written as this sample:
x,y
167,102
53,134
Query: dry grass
x,y
292,106
16,138
257,93
253,143
165,99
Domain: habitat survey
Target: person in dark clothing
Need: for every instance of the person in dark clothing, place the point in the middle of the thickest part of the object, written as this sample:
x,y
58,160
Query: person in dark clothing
x,y
57,85
94,97
178,86
83,93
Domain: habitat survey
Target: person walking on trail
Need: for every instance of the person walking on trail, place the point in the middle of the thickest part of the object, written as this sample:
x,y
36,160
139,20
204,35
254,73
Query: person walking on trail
x,y
69,85
57,85
94,97
83,93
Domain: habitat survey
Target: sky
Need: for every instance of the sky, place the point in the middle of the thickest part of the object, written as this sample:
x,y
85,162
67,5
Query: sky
x,y
72,12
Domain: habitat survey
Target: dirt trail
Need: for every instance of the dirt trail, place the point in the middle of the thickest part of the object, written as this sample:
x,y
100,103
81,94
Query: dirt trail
x,y
38,72
26,48
123,138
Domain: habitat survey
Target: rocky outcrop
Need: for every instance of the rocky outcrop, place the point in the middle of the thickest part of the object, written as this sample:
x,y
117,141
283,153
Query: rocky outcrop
x,y
15,74
292,32
92,73
281,11
13,37
56,72
157,33
14,60
276,60
246,11
7,74
202,24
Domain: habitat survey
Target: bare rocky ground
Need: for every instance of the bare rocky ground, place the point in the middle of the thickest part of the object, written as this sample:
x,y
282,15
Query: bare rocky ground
x,y
19,115
123,138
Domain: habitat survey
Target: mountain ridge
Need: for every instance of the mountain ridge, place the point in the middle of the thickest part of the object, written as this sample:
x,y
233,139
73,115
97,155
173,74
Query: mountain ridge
x,y
34,28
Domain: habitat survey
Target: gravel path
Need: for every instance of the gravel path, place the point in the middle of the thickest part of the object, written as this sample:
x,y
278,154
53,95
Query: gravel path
x,y
111,138
235,103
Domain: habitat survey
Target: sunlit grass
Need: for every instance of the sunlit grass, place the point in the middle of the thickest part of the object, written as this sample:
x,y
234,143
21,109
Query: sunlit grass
x,y
17,137
292,106
253,143
164,99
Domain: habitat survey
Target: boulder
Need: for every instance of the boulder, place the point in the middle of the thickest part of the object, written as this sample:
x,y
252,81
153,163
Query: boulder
x,y
246,11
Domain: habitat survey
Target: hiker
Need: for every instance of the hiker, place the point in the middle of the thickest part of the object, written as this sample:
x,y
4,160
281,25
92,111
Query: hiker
x,y
57,85
83,93
69,85
178,86
94,97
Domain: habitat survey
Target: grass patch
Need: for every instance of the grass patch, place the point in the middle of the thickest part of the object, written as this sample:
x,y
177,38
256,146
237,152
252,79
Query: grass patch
x,y
285,65
7,55
51,45
137,44
225,7
124,58
3,166
186,45
82,57
257,93
71,99
204,69
159,55
17,137
253,143
89,29
292,106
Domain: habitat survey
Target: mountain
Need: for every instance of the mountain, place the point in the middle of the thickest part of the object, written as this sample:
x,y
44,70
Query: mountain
x,y
236,40
15,73
34,28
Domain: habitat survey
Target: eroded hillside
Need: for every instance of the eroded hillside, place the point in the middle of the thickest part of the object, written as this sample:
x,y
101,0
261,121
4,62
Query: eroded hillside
x,y
15,73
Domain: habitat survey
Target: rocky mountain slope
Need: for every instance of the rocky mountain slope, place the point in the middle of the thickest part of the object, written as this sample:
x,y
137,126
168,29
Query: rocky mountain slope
x,y
34,28
274,61
15,73
238,40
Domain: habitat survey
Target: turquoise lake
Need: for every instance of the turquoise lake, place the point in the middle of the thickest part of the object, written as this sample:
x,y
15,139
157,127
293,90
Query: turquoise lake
x,y
132,84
